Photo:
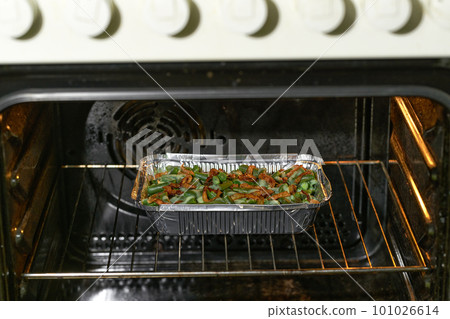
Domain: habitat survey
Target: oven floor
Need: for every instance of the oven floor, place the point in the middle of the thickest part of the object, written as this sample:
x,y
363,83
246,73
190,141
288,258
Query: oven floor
x,y
341,287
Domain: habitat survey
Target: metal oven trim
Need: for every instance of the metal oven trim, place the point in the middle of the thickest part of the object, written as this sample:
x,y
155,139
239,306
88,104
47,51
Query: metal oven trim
x,y
111,94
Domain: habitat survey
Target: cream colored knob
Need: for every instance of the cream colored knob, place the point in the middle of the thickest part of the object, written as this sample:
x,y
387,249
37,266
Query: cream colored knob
x,y
321,15
388,15
17,17
243,16
168,17
89,17
440,12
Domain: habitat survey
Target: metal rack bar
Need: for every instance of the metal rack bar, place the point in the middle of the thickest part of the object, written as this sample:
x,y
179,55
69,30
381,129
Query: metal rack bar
x,y
72,220
157,253
338,236
408,284
282,272
318,247
403,215
273,253
296,252
203,252
354,213
136,227
376,213
249,253
115,221
179,254
44,221
226,252
94,214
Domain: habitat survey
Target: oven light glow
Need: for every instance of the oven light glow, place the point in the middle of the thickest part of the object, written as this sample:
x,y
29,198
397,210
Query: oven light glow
x,y
419,198
423,148
402,161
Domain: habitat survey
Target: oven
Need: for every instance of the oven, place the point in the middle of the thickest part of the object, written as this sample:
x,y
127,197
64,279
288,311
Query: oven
x,y
69,229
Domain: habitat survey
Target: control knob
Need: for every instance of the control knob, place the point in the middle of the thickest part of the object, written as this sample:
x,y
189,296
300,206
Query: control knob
x,y
388,15
168,17
89,17
244,16
17,17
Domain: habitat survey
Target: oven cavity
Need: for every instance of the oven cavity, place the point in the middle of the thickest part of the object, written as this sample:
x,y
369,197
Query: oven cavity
x,y
72,218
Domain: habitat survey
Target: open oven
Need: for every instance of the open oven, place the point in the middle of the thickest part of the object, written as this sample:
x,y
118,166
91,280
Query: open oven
x,y
375,103
68,221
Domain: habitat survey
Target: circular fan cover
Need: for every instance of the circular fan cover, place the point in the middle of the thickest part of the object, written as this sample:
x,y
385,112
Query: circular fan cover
x,y
158,127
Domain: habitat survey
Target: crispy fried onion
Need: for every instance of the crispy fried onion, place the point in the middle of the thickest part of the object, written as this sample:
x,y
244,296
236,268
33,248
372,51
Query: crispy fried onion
x,y
214,172
205,194
269,179
170,191
250,169
247,177
292,189
311,200
262,190
160,174
299,178
306,194
186,179
296,168
258,195
248,186
185,171
249,195
280,195
154,198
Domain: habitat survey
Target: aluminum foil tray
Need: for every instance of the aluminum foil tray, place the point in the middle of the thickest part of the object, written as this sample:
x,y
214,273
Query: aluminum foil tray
x,y
213,219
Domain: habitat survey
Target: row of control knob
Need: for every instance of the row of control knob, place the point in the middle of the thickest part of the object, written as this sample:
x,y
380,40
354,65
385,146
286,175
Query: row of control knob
x,y
170,17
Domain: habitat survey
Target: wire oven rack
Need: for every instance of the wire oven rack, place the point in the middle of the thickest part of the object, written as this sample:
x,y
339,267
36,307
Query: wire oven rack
x,y
142,255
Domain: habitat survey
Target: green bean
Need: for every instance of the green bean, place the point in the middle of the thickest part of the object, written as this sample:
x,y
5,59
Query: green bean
x,y
215,180
283,188
197,169
228,200
222,176
201,176
228,192
225,185
307,178
172,169
170,178
263,183
243,168
154,189
189,200
210,194
200,200
218,201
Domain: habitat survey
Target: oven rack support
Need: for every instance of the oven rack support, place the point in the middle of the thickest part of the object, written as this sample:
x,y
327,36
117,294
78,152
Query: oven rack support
x,y
111,257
